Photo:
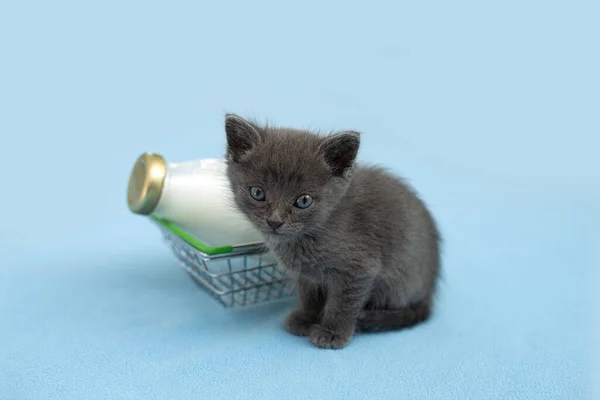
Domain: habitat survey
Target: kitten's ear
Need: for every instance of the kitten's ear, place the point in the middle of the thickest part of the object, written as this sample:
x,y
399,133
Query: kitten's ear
x,y
242,136
340,152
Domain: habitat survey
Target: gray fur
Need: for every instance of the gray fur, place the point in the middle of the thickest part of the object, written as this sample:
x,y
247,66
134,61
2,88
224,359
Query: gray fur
x,y
365,254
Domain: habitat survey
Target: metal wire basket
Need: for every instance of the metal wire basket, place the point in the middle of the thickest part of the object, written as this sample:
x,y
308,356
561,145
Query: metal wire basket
x,y
244,276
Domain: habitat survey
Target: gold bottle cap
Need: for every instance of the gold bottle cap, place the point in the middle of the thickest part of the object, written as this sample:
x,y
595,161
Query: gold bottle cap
x,y
146,183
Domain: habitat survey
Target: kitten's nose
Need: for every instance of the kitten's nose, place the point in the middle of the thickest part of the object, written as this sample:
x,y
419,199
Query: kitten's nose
x,y
274,224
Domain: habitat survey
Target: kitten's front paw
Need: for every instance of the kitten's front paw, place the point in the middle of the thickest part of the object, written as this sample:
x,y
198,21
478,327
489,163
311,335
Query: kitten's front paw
x,y
299,322
327,339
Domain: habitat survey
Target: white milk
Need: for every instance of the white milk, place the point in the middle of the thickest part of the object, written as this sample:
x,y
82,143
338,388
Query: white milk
x,y
194,195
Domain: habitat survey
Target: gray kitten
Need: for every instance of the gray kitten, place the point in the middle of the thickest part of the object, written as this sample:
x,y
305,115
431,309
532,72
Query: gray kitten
x,y
362,246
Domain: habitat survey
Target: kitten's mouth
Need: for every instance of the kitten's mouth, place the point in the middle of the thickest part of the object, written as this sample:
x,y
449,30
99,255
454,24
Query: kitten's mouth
x,y
276,234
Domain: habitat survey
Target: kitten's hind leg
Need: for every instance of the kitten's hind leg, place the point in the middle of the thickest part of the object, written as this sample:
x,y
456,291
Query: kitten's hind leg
x,y
387,319
312,301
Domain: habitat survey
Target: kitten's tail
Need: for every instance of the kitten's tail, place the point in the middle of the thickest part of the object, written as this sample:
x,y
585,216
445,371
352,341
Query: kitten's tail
x,y
375,320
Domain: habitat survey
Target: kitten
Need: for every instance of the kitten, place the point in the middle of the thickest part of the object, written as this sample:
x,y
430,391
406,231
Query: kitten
x,y
363,247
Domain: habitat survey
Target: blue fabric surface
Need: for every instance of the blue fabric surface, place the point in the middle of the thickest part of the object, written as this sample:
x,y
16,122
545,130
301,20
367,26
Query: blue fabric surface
x,y
490,110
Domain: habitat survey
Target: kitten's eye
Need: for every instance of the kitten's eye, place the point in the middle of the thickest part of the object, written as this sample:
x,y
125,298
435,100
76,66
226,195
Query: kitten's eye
x,y
304,201
257,193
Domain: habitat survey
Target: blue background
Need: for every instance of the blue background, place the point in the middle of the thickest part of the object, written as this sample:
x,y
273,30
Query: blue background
x,y
491,109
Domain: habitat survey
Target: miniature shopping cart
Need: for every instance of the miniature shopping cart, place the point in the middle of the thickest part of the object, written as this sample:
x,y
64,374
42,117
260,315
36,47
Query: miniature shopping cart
x,y
238,275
